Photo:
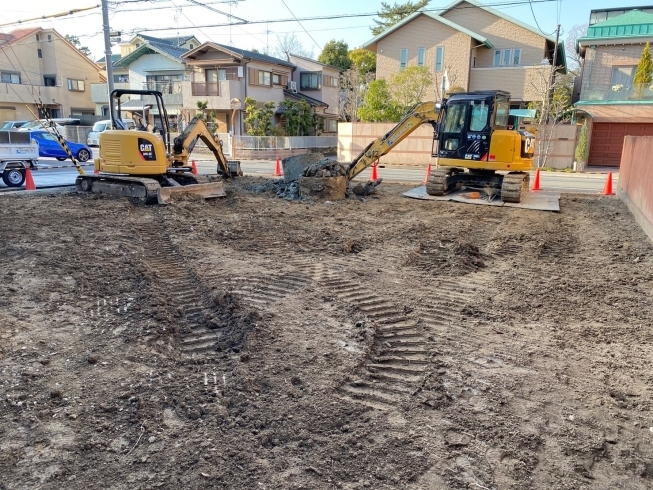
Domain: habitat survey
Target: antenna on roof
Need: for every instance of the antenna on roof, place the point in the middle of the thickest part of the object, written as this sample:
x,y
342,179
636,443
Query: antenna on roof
x,y
177,12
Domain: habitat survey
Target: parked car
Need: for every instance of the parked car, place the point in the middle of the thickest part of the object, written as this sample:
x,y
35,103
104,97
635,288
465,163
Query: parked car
x,y
49,147
100,126
11,125
59,122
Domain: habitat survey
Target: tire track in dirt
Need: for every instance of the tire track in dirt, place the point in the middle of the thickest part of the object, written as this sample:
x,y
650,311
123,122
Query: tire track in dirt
x,y
260,291
167,269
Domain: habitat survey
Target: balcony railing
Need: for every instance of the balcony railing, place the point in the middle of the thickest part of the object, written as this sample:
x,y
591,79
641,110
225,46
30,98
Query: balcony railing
x,y
206,89
616,93
170,87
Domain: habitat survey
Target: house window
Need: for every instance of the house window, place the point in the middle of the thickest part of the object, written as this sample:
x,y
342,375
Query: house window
x,y
330,125
420,56
276,79
49,37
50,80
439,58
404,59
121,79
7,77
38,38
507,57
167,84
39,53
310,80
330,81
76,85
622,75
191,46
264,78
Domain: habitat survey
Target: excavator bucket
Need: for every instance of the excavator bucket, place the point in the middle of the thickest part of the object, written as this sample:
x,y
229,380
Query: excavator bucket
x,y
207,191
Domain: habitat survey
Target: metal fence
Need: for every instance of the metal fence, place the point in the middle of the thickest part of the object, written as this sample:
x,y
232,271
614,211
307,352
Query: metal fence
x,y
283,142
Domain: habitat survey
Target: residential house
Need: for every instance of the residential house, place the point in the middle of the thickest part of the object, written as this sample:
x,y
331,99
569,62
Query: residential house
x,y
149,63
224,76
320,82
469,46
610,52
40,64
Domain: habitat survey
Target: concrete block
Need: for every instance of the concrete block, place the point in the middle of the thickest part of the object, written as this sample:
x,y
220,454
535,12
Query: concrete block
x,y
294,166
328,188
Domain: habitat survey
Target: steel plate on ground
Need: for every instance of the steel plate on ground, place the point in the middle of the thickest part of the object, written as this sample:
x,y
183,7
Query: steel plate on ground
x,y
540,200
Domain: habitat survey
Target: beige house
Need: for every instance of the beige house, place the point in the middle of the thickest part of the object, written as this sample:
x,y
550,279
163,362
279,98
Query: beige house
x,y
223,76
41,64
469,47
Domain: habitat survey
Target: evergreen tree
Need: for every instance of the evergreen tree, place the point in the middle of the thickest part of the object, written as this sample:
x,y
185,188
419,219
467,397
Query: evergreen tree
x,y
392,14
378,105
335,53
363,60
582,150
643,73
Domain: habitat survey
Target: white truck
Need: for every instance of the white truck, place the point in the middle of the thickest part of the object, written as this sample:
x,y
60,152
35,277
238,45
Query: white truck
x,y
17,152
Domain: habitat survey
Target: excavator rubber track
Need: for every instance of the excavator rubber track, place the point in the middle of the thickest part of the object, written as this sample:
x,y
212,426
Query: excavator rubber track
x,y
149,191
438,183
515,187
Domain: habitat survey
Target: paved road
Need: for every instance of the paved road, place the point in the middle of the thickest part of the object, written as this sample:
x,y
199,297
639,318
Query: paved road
x,y
559,181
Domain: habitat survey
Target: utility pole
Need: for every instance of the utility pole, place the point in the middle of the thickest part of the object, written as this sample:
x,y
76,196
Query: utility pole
x,y
553,71
107,52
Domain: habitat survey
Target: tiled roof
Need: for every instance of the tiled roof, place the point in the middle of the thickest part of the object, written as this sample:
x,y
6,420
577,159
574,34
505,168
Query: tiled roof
x,y
16,35
172,41
149,48
631,24
114,58
310,100
254,55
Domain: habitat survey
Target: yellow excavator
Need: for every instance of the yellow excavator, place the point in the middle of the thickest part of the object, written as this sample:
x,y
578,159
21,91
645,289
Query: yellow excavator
x,y
147,165
471,141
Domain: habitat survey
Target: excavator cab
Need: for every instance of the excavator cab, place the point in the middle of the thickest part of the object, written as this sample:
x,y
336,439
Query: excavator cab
x,y
473,128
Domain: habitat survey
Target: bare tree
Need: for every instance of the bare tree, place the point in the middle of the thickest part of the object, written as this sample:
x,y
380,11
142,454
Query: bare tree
x,y
353,86
577,31
553,105
289,44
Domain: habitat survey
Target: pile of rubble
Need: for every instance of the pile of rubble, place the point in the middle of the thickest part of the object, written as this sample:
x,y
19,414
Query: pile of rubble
x,y
325,168
285,190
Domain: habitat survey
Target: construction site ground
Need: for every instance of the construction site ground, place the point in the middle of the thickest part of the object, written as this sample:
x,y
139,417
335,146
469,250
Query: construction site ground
x,y
373,343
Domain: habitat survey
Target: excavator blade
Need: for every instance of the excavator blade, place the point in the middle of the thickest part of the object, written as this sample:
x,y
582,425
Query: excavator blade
x,y
207,191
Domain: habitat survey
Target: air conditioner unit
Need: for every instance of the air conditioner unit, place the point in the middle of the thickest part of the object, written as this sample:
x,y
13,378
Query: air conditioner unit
x,y
293,87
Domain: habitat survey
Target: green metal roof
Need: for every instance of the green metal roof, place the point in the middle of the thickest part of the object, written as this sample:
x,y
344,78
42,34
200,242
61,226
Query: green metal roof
x,y
631,24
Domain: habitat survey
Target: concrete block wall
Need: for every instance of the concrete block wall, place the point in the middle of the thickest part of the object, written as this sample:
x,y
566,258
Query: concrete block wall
x,y
635,185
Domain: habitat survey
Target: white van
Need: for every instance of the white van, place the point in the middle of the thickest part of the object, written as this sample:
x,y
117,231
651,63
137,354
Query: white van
x,y
94,136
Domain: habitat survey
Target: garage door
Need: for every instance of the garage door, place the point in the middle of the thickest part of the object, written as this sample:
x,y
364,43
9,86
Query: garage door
x,y
608,141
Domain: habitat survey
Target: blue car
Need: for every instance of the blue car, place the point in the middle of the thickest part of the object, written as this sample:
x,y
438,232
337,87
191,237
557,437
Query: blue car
x,y
50,147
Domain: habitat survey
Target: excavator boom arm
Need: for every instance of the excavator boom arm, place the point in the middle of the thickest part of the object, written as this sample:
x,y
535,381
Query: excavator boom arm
x,y
185,142
425,112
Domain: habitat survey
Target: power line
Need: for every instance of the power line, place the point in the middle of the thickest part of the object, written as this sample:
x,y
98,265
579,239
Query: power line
x,y
300,24
343,16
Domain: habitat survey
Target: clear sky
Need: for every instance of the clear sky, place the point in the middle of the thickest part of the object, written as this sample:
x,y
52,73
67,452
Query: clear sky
x,y
129,16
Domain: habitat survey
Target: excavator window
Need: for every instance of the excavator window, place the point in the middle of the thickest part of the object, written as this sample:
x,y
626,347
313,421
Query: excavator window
x,y
452,126
479,119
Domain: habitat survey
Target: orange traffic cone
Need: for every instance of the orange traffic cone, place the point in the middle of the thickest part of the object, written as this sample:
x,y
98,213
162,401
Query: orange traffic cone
x,y
193,167
277,168
607,190
29,181
428,172
375,172
536,183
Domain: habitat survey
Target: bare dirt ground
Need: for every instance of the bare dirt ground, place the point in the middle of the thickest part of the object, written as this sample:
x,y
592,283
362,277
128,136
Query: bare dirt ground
x,y
384,343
